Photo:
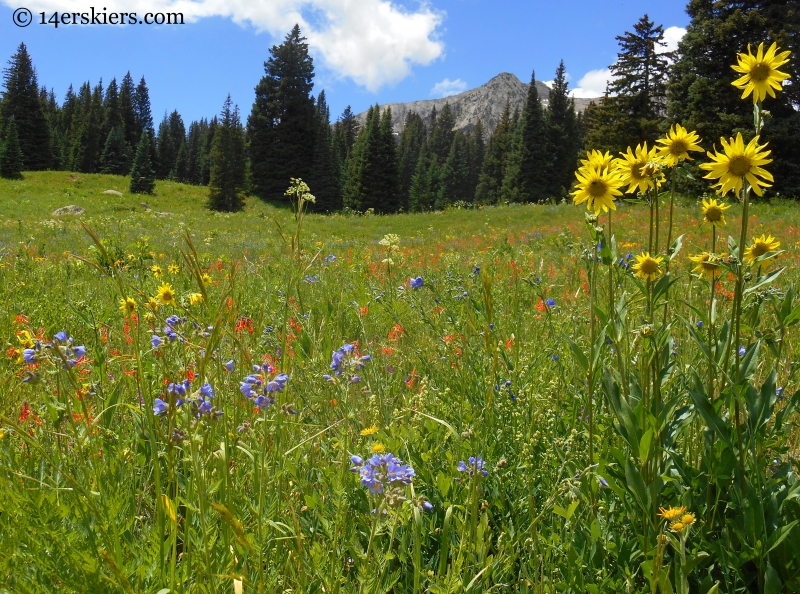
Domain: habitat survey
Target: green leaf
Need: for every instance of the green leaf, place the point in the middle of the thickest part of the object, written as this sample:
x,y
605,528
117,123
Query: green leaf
x,y
777,537
766,279
706,410
675,247
579,355
644,445
636,486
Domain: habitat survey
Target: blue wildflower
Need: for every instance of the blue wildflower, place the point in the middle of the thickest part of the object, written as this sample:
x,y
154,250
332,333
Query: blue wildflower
x,y
474,467
742,351
159,407
550,302
699,323
29,355
155,341
554,358
61,337
206,391
229,365
415,283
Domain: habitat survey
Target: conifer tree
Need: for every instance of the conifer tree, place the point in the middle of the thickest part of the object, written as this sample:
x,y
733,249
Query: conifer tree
x,y
11,162
511,188
562,137
143,178
534,149
602,129
454,174
492,174
111,109
325,172
205,161
127,92
21,100
387,194
700,94
165,149
144,118
345,134
476,146
281,124
115,158
363,183
424,184
228,166
181,164
87,144
412,143
442,133
639,83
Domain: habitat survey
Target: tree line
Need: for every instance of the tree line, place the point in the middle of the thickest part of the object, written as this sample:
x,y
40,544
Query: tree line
x,y
530,156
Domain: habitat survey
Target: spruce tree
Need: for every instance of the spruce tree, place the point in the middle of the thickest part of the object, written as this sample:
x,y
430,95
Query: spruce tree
x,y
562,137
511,188
165,150
492,174
345,134
442,133
281,124
363,185
639,82
111,109
412,143
324,179
424,184
87,144
143,178
534,150
228,166
115,158
700,94
388,195
454,175
476,146
21,100
11,159
127,92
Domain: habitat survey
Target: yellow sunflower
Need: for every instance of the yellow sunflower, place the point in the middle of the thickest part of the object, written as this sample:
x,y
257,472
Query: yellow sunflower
x,y
206,278
760,246
639,169
648,267
369,431
127,306
677,526
761,74
687,519
737,163
598,160
675,146
152,304
597,187
195,299
174,269
714,212
378,448
166,294
672,512
156,270
708,265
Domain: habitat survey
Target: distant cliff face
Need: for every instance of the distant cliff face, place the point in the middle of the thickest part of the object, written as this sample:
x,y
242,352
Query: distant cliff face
x,y
486,103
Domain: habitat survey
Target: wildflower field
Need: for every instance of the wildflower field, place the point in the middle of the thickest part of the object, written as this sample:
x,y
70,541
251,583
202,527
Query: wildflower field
x,y
529,398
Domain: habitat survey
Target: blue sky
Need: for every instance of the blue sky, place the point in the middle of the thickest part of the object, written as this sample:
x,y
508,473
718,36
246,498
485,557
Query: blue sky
x,y
365,51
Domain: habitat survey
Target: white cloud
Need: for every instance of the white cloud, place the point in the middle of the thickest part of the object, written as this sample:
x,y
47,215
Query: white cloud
x,y
672,36
593,84
448,87
373,42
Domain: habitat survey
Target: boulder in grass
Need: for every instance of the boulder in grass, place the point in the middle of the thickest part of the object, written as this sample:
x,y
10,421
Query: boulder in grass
x,y
72,209
113,193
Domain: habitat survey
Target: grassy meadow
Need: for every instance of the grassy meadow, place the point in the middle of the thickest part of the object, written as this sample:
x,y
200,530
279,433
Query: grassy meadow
x,y
219,375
